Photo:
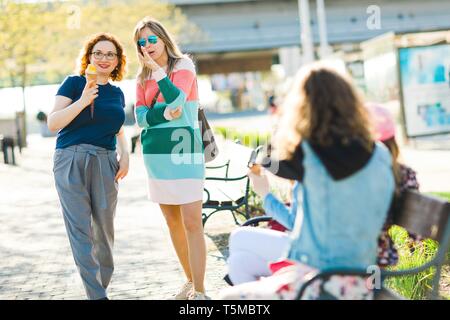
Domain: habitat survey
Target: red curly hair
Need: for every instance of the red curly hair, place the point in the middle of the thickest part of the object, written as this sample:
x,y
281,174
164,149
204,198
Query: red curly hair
x,y
119,71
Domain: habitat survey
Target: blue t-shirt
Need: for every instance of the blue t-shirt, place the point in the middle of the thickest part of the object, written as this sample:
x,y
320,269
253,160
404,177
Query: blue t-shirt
x,y
109,116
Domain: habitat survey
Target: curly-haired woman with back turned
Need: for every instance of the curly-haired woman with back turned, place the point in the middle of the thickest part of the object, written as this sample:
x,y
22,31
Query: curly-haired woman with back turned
x,y
344,188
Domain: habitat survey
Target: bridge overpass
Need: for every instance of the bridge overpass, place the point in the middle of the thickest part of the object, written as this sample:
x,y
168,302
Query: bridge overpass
x,y
247,34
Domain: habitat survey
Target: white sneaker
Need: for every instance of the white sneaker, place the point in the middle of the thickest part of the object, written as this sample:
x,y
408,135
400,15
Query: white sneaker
x,y
185,290
196,295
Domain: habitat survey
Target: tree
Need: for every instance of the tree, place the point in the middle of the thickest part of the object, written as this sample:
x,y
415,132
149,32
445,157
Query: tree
x,y
119,18
40,42
23,32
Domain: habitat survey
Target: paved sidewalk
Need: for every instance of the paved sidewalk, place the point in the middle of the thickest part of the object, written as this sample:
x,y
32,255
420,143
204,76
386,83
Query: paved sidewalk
x,y
35,257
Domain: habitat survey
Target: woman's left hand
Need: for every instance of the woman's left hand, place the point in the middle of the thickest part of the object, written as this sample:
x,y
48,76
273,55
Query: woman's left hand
x,y
260,182
124,164
147,60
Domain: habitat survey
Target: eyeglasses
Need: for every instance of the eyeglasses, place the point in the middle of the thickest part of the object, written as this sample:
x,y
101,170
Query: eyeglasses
x,y
98,55
151,39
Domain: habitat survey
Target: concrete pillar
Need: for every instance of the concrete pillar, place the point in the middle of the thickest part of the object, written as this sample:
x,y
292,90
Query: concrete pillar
x,y
305,31
324,50
290,59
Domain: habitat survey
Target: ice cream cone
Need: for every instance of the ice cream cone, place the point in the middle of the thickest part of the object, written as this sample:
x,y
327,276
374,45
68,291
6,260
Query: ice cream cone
x,y
256,169
91,75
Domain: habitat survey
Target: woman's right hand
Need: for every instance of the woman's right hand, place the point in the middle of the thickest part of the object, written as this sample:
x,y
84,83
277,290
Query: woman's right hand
x,y
90,92
176,113
259,180
170,114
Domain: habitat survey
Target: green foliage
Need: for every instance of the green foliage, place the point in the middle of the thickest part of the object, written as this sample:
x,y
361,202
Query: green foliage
x,y
40,42
412,255
443,195
249,139
25,32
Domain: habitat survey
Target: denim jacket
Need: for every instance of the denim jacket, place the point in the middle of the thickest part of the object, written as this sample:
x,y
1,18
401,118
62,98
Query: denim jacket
x,y
336,223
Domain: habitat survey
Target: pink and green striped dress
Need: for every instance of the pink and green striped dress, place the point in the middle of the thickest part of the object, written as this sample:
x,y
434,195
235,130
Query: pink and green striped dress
x,y
172,149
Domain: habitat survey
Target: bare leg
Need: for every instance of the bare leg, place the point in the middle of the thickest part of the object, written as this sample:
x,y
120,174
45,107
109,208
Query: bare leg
x,y
192,219
174,221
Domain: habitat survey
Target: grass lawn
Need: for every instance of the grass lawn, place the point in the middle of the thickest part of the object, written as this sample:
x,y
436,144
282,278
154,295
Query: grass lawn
x,y
416,287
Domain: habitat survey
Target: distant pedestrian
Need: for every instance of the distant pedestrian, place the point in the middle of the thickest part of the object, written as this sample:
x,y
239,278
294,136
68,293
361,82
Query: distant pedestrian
x,y
405,178
272,105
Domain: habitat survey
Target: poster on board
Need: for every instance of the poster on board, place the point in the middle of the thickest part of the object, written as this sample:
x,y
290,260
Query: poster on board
x,y
425,86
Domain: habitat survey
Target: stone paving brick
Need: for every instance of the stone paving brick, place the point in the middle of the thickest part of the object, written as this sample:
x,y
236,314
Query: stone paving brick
x,y
35,257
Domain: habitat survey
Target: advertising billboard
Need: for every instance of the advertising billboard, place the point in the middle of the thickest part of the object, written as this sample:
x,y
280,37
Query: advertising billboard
x,y
425,89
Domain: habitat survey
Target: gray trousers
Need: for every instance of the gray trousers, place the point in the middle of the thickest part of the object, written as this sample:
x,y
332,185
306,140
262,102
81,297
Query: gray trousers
x,y
84,178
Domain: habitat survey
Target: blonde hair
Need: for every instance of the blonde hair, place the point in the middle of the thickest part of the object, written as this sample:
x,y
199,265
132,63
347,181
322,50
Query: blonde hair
x,y
322,107
171,47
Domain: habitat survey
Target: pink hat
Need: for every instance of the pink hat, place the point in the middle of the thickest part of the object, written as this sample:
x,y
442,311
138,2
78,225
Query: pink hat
x,y
382,121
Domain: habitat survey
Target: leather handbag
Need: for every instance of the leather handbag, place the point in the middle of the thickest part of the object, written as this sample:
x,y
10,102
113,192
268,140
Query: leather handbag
x,y
210,149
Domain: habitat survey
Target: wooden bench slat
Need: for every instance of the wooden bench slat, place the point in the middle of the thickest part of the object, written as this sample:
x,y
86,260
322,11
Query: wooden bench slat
x,y
422,214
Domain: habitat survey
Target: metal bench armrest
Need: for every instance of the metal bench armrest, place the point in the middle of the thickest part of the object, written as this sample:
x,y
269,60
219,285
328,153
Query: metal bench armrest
x,y
218,167
363,273
327,274
226,179
256,220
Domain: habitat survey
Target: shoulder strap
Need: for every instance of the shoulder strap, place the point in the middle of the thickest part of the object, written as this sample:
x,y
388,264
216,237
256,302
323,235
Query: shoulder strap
x,y
154,99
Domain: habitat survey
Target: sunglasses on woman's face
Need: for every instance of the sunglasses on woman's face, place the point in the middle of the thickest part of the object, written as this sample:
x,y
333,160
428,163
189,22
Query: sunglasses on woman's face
x,y
150,39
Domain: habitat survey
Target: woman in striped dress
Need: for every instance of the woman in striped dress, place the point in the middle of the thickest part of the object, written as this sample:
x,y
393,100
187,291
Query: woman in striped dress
x,y
167,112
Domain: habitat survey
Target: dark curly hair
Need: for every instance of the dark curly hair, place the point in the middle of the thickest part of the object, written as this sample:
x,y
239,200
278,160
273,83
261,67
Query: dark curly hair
x,y
322,106
119,71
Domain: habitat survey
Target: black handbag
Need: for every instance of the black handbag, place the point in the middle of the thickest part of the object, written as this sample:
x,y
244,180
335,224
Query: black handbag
x,y
210,149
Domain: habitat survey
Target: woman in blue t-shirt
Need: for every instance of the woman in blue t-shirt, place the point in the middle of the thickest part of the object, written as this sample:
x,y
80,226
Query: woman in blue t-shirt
x,y
89,116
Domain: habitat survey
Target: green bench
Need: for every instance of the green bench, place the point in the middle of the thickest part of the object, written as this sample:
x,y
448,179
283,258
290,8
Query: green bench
x,y
227,193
